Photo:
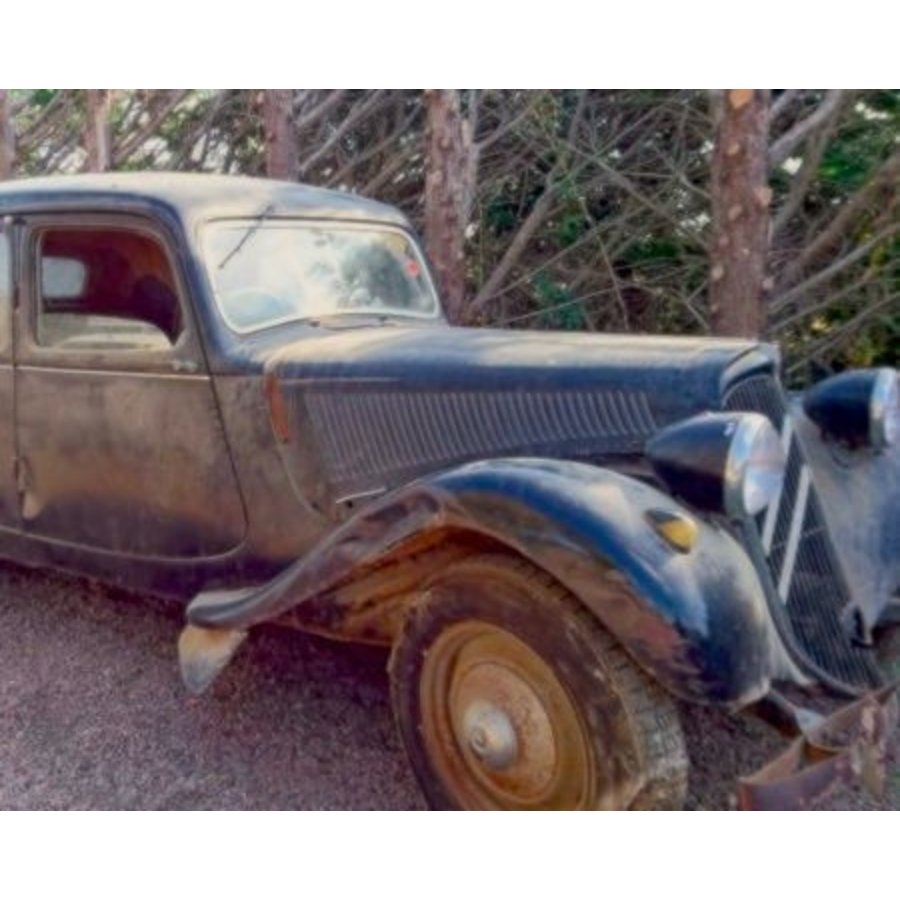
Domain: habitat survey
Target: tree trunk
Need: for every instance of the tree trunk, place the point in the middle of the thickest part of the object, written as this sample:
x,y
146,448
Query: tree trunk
x,y
281,136
449,182
7,137
97,132
740,214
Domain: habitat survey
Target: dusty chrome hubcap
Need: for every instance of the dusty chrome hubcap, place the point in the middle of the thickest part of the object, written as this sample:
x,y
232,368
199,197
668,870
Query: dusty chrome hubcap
x,y
500,728
490,735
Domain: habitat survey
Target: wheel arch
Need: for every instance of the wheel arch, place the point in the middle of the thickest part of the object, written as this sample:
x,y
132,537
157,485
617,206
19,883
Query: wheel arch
x,y
697,622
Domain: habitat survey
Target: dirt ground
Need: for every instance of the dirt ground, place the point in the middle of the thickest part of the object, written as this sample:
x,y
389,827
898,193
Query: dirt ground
x,y
93,716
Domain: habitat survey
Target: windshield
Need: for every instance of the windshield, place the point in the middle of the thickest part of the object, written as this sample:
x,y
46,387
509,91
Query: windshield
x,y
267,272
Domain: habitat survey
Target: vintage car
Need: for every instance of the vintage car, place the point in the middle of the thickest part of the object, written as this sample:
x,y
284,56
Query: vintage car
x,y
244,393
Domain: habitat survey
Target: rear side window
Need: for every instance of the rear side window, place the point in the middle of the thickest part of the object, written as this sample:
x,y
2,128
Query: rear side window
x,y
105,289
62,278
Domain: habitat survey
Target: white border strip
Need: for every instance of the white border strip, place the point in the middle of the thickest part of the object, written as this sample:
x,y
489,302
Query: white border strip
x,y
787,430
793,541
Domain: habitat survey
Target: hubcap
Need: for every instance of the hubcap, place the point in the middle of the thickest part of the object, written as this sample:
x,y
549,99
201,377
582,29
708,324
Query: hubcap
x,y
490,735
499,727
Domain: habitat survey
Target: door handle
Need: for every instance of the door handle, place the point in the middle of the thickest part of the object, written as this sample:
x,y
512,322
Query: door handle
x,y
185,366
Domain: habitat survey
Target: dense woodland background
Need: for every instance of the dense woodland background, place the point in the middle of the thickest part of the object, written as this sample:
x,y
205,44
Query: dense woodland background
x,y
750,212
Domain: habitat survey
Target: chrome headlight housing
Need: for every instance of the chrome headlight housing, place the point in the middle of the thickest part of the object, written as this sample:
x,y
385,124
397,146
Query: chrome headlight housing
x,y
858,408
884,409
731,463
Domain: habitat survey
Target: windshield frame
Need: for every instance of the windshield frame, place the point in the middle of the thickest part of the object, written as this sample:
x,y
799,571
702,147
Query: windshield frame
x,y
258,223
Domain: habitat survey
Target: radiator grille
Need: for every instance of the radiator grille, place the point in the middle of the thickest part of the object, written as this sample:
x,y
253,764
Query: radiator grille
x,y
799,552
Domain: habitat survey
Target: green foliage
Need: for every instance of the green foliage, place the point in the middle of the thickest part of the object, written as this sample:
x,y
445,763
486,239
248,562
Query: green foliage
x,y
500,216
559,308
42,97
655,248
863,143
570,226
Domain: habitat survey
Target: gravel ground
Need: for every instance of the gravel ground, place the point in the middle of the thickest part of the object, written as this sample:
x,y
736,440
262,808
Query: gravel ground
x,y
93,716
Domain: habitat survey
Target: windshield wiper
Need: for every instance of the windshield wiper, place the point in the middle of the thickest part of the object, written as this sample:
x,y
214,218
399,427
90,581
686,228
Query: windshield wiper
x,y
247,235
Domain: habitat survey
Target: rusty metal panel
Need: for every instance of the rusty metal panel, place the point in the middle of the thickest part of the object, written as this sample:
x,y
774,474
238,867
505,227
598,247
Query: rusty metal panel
x,y
847,747
9,500
129,463
9,503
283,524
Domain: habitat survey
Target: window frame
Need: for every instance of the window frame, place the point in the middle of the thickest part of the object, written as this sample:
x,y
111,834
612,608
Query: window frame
x,y
7,291
182,356
313,223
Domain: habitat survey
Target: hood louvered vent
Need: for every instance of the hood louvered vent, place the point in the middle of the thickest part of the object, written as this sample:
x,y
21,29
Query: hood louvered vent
x,y
373,437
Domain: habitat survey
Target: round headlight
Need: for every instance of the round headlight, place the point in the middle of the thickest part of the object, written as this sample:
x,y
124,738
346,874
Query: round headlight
x,y
884,409
858,408
755,469
722,462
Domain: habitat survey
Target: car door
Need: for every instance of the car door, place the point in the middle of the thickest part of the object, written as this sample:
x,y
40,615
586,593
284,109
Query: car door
x,y
9,500
120,442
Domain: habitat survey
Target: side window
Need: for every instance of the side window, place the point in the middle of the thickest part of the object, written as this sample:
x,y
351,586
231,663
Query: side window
x,y
104,289
5,290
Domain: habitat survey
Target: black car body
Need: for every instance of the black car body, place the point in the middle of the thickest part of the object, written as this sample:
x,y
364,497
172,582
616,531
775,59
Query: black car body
x,y
173,424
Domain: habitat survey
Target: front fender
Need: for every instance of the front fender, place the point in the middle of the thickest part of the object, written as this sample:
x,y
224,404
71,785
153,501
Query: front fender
x,y
697,621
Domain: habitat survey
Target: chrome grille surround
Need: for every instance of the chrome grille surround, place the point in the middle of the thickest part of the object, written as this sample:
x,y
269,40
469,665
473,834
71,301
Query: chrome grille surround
x,y
805,572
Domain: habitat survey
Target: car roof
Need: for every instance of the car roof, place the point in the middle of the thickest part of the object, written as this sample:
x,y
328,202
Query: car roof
x,y
193,196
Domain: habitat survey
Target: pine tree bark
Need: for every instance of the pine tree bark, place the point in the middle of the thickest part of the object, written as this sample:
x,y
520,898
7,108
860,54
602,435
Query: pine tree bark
x,y
449,170
740,213
7,137
97,131
281,135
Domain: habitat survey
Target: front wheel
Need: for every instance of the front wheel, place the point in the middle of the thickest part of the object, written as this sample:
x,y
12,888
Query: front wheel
x,y
508,694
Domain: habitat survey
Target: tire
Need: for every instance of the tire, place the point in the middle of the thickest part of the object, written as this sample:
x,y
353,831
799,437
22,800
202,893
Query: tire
x,y
508,694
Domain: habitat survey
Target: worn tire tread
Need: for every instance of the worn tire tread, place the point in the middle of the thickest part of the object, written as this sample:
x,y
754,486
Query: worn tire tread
x,y
652,713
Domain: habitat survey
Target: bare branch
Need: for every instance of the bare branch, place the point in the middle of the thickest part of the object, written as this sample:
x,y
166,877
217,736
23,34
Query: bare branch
x,y
532,221
203,129
883,182
825,275
319,111
505,127
781,104
34,131
627,185
804,178
805,310
390,140
124,149
556,307
358,113
781,149
397,162
847,330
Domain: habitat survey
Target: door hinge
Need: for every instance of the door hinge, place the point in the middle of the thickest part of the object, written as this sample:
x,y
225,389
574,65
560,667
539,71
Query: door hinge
x,y
20,474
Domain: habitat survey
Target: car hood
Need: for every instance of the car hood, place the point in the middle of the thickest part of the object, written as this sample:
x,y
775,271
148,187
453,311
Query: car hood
x,y
384,404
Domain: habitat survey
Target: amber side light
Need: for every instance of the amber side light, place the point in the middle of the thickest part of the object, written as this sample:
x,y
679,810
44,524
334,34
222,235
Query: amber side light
x,y
677,530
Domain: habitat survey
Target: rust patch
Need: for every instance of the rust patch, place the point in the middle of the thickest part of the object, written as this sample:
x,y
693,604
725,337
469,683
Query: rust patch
x,y
847,747
372,606
277,408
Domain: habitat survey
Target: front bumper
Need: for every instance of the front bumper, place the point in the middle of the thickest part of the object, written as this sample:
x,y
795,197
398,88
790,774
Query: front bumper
x,y
851,745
